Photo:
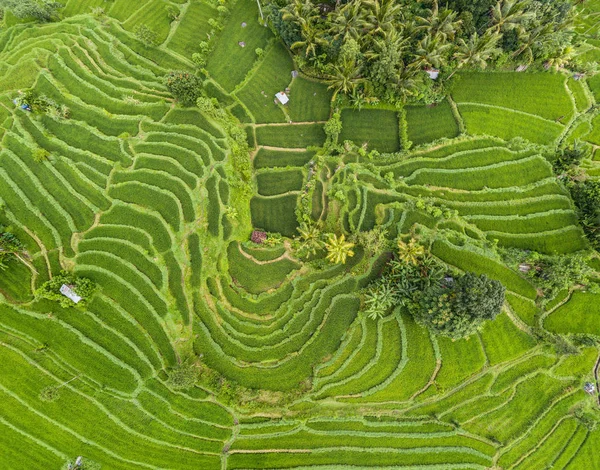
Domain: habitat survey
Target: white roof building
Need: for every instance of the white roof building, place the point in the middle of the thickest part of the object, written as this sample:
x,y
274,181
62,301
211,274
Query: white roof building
x,y
433,73
68,291
282,97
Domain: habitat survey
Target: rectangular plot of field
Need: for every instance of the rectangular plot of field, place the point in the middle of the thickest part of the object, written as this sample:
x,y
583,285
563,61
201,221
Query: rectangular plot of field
x,y
268,158
193,28
309,100
273,75
275,214
154,16
229,62
376,127
429,123
508,124
542,94
292,136
272,182
123,9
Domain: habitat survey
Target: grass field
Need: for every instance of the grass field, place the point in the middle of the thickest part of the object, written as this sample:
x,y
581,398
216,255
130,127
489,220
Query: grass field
x,y
378,129
426,124
155,203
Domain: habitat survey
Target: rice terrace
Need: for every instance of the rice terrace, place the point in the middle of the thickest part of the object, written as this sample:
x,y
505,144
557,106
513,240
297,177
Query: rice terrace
x,y
299,234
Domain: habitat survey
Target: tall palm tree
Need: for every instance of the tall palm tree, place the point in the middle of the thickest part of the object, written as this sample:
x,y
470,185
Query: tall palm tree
x,y
338,249
477,50
312,37
383,16
509,14
344,77
299,10
431,51
410,252
439,24
310,235
348,21
537,35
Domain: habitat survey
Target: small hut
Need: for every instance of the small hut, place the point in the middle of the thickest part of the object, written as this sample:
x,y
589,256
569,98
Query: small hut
x,y
433,73
282,97
589,388
69,292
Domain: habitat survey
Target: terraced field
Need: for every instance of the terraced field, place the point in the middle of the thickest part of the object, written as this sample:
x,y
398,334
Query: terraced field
x,y
143,196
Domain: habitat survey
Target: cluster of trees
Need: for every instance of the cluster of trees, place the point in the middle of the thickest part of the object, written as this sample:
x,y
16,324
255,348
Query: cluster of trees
x,y
453,305
378,49
551,273
10,247
40,10
82,286
584,191
313,240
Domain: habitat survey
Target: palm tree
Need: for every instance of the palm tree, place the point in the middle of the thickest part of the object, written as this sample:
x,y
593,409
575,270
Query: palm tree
x,y
338,249
383,16
431,51
537,35
441,25
509,14
311,38
310,234
344,77
410,252
298,11
477,50
348,21
561,58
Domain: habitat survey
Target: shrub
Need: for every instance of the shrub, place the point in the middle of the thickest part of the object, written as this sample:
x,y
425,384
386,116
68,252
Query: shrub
x,y
184,86
183,376
49,394
258,237
146,35
40,154
9,246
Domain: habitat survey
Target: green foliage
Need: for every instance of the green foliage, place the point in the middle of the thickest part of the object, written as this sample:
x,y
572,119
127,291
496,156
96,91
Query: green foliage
x,y
333,128
457,308
551,273
184,86
379,299
568,159
184,376
146,36
10,246
49,394
82,286
338,249
586,195
41,10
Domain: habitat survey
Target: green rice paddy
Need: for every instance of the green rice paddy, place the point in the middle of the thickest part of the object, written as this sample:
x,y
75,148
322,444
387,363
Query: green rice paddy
x,y
142,196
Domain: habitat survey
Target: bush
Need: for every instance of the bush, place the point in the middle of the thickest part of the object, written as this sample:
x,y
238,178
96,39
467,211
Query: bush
x,y
183,376
145,35
49,394
82,286
184,86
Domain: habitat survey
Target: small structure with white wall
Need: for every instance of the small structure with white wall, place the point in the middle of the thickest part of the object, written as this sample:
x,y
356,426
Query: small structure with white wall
x,y
433,73
69,292
282,97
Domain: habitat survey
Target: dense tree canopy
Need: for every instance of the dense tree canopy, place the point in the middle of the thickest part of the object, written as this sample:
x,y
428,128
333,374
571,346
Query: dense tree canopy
x,y
456,307
381,48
